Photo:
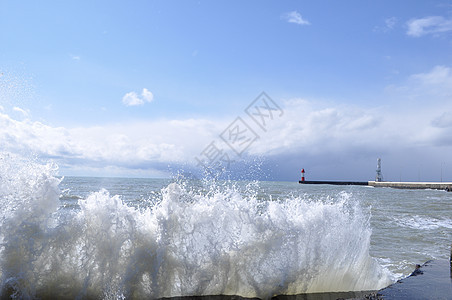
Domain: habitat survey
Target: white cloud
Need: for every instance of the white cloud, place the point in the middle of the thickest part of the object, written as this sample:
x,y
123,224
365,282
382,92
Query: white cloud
x,y
438,76
1,108
315,128
429,25
130,145
389,24
427,98
147,95
432,86
22,111
133,99
295,17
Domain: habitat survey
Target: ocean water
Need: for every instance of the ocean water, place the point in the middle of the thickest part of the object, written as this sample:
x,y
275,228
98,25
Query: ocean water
x,y
125,238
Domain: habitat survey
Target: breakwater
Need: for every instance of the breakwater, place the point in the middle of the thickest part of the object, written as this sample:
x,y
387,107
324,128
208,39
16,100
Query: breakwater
x,y
447,186
335,182
429,281
413,185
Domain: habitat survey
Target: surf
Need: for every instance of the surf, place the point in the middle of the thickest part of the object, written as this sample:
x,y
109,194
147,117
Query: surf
x,y
192,240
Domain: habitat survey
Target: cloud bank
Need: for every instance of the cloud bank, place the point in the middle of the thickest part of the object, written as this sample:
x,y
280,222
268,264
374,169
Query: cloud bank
x,y
413,128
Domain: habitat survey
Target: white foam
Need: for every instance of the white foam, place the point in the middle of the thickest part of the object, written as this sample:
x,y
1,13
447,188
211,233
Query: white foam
x,y
190,243
423,223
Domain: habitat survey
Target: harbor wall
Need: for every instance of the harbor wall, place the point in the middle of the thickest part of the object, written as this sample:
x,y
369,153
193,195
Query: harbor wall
x,y
447,186
413,185
335,182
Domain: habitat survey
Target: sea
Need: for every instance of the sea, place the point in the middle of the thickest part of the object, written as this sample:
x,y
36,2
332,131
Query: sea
x,y
135,238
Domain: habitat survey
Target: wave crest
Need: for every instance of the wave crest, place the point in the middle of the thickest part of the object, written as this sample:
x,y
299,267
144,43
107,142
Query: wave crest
x,y
192,242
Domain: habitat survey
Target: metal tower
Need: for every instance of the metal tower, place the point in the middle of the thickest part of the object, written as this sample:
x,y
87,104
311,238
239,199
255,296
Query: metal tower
x,y
379,176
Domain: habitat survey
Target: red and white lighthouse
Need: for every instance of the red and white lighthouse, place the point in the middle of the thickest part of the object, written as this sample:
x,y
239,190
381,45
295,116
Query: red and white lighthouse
x,y
302,174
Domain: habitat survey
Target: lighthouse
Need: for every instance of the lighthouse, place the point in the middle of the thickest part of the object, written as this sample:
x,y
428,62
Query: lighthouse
x,y
302,174
379,176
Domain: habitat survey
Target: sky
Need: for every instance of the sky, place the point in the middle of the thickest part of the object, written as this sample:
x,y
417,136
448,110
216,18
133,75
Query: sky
x,y
244,89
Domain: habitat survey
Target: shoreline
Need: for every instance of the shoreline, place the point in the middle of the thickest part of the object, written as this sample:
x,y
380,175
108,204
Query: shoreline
x,y
432,280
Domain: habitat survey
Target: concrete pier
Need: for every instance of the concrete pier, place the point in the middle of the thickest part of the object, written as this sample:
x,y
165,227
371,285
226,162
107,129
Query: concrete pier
x,y
413,185
447,186
429,281
335,182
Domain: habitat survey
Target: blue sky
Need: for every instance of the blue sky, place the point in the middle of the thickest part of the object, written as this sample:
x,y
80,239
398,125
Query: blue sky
x,y
141,88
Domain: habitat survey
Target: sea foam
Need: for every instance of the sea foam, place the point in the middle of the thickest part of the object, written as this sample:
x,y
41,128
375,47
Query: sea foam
x,y
215,241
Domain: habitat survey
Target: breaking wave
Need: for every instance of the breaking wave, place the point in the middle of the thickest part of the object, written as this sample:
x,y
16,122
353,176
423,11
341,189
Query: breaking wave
x,y
215,241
